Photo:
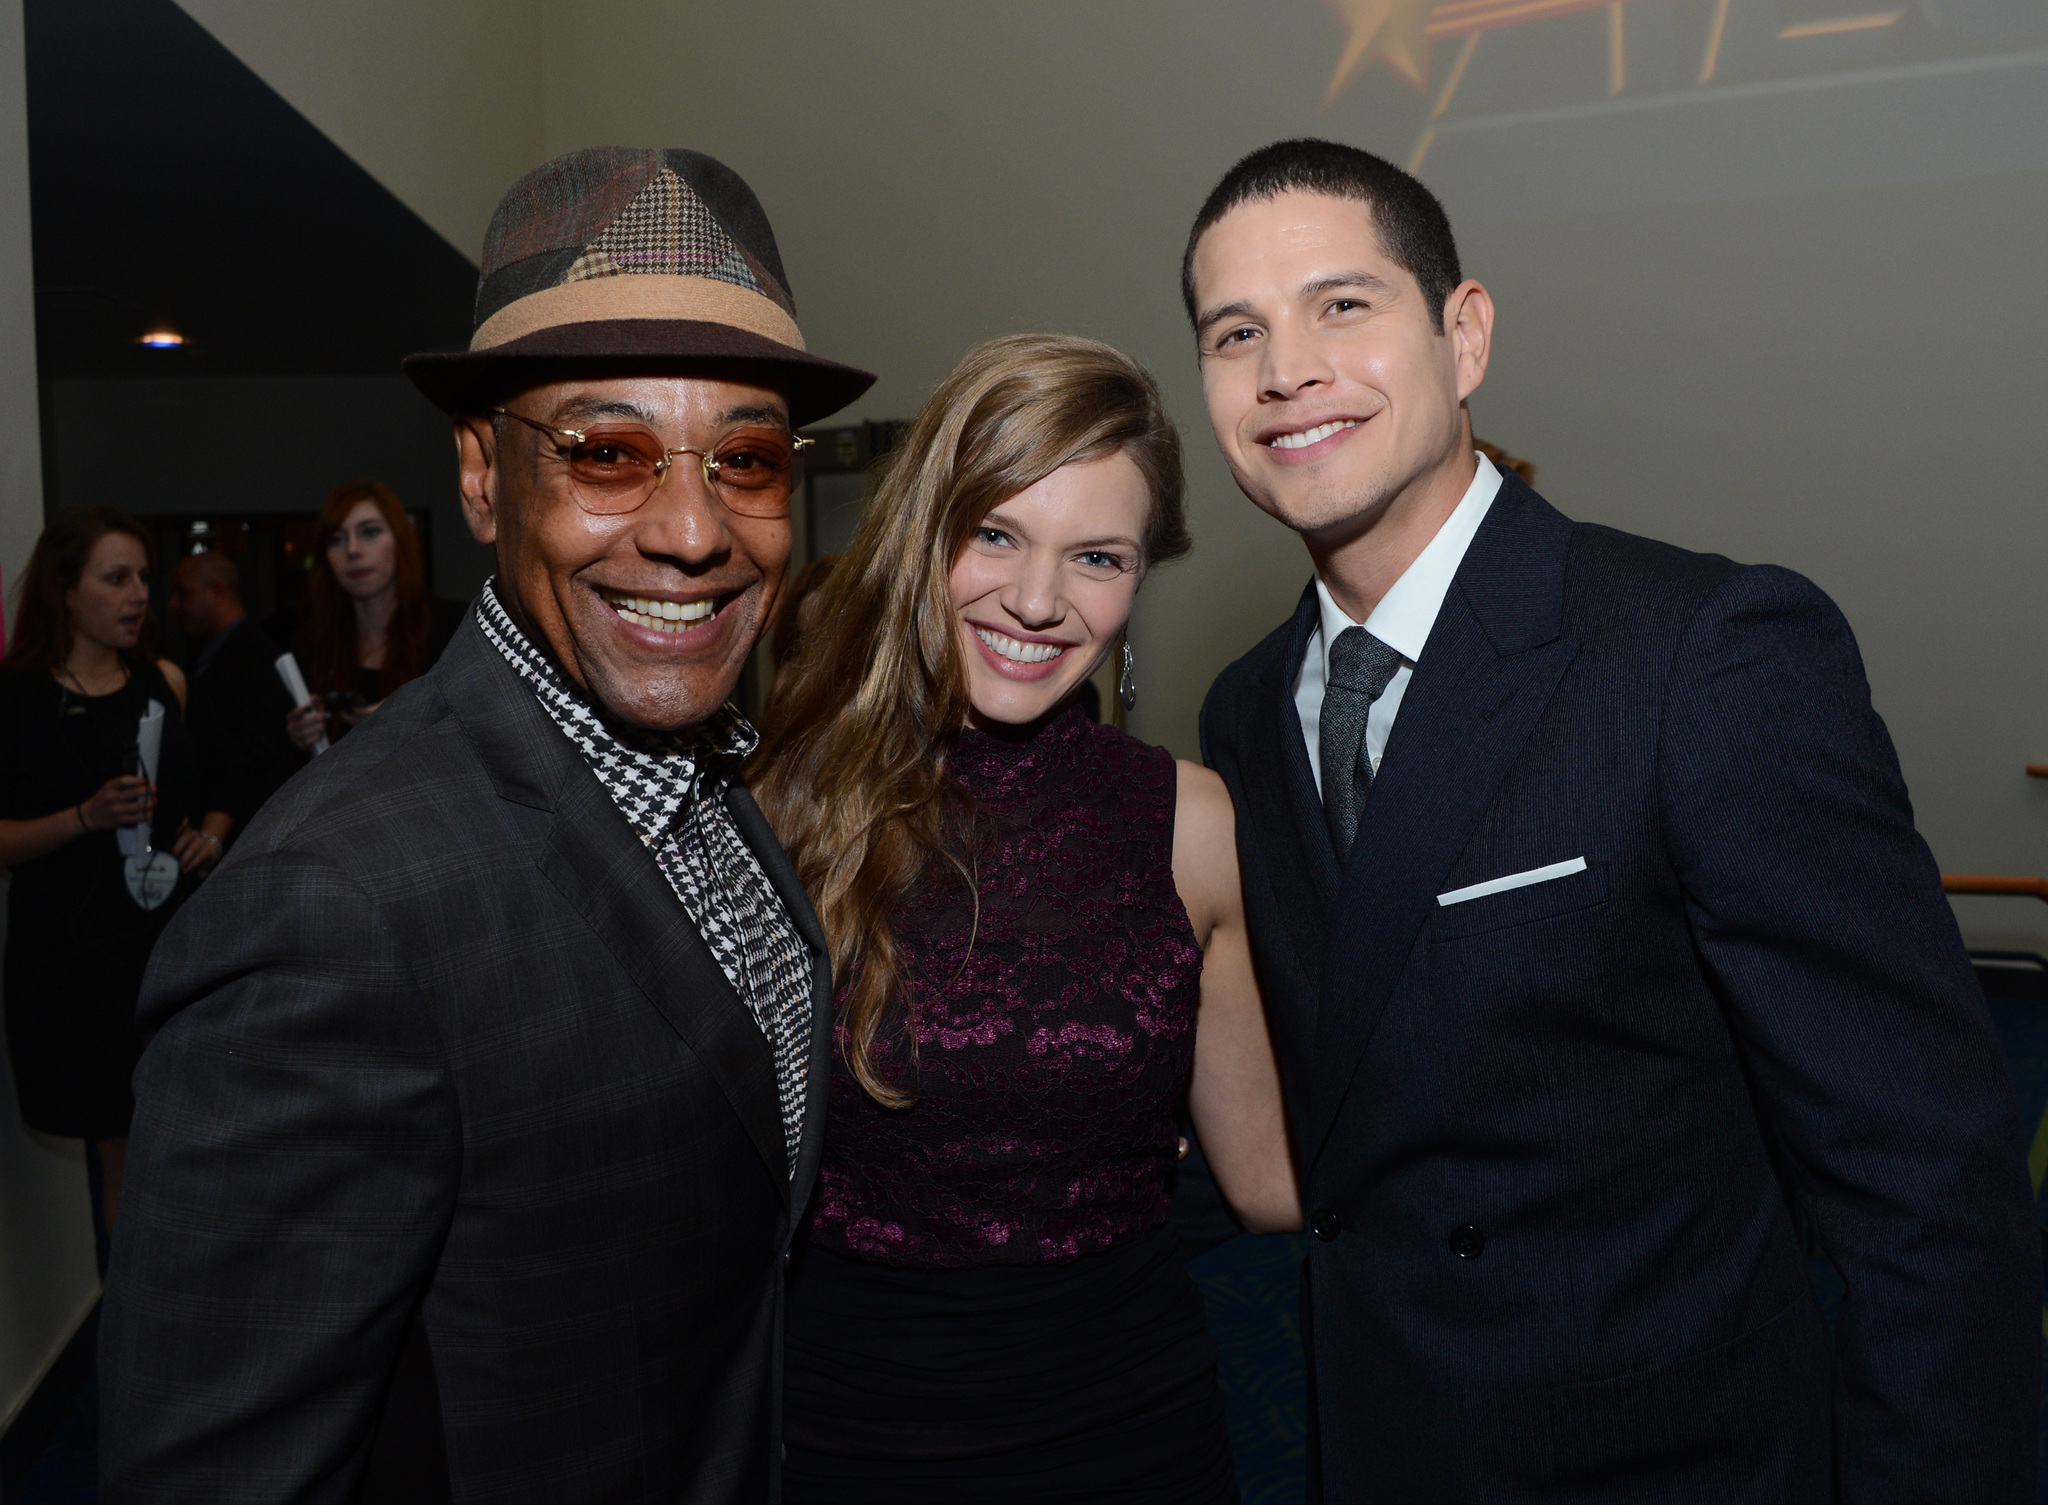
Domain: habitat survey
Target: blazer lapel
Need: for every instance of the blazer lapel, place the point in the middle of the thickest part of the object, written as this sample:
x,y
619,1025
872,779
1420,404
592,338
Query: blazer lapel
x,y
757,833
1283,809
602,868
594,859
1492,661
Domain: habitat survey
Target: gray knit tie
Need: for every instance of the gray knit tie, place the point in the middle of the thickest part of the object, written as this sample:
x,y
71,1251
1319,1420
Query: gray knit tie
x,y
1360,668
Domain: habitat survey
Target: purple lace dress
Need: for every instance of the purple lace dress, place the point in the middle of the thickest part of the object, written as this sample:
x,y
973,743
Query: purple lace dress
x,y
990,1306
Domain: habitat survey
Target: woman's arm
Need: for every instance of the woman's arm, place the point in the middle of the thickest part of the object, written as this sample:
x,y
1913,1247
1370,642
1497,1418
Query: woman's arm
x,y
306,725
118,802
199,847
26,840
175,678
1235,1098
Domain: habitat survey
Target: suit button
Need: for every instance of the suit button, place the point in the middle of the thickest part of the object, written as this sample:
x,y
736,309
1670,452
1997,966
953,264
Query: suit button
x,y
1467,1242
1325,1225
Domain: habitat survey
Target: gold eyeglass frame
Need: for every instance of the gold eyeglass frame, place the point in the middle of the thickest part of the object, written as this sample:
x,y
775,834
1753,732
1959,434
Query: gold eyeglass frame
x,y
709,466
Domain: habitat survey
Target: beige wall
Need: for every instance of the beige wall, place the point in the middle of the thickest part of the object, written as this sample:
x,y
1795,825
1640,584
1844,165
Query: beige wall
x,y
21,476
939,173
1837,378
1759,381
47,1278
1846,382
439,100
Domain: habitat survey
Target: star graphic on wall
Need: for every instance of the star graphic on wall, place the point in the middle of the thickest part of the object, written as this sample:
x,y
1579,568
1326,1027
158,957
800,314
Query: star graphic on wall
x,y
1391,30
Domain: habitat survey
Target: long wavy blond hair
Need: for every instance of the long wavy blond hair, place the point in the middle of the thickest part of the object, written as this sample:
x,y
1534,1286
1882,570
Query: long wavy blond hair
x,y
851,769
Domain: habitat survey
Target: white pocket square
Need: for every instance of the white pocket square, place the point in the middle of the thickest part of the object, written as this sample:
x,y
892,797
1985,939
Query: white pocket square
x,y
1513,880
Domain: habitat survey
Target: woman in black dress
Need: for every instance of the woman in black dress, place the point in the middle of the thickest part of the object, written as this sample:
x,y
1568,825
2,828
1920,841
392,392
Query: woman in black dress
x,y
1039,939
366,622
80,673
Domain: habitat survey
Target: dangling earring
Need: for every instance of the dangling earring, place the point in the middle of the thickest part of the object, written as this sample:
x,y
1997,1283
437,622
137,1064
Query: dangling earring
x,y
1127,682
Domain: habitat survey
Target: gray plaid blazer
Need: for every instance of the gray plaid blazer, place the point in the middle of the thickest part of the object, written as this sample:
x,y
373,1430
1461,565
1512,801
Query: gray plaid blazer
x,y
457,1167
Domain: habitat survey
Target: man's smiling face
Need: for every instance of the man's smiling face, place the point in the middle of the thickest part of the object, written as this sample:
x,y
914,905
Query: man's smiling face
x,y
652,612
1331,390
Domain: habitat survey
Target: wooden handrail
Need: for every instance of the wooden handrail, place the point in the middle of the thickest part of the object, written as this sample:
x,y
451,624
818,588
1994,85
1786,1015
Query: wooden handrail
x,y
2037,770
1980,883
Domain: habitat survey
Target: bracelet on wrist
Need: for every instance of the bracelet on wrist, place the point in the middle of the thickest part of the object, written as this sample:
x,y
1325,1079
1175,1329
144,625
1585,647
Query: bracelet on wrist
x,y
79,811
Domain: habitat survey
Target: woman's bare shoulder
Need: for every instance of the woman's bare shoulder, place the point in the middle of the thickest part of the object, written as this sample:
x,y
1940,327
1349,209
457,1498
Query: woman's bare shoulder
x,y
1204,848
174,677
1201,799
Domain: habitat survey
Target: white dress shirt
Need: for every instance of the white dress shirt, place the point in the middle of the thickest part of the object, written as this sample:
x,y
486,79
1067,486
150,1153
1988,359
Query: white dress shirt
x,y
1402,621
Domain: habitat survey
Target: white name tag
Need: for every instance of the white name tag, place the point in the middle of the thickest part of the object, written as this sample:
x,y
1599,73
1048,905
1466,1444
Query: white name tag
x,y
151,876
1513,880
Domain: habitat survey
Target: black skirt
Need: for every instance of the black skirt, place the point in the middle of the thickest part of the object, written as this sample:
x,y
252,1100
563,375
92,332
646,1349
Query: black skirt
x,y
1088,1381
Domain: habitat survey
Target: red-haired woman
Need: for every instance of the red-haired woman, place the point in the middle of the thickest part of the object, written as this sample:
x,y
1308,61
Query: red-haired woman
x,y
366,622
80,673
1039,938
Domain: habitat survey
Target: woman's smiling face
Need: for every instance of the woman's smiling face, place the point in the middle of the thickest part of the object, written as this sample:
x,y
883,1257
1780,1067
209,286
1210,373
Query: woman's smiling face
x,y
1045,585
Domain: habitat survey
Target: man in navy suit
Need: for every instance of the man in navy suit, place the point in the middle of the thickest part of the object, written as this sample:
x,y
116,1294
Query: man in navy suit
x,y
1599,947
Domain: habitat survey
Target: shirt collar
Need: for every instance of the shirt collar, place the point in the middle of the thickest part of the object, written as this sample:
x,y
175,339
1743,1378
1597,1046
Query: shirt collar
x,y
1408,611
651,775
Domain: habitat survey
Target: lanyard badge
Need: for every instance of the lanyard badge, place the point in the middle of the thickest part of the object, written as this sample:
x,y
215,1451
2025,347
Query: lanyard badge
x,y
150,875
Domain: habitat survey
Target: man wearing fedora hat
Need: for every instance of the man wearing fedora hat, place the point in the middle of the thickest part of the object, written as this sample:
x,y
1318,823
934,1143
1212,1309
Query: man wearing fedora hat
x,y
486,1080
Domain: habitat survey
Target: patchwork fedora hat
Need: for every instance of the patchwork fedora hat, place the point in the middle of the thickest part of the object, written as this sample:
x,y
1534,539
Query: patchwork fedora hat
x,y
616,261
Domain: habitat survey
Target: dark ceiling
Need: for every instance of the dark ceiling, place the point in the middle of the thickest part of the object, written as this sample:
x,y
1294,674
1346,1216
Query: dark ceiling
x,y
169,184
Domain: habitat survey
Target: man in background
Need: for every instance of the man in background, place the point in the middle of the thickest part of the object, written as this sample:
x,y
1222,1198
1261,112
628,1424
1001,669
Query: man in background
x,y
238,703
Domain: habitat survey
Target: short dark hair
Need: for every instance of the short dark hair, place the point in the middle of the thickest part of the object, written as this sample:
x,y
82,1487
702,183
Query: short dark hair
x,y
213,568
1413,227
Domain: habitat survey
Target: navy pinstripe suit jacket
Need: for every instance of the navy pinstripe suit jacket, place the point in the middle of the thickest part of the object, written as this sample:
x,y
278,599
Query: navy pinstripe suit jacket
x,y
1552,1138
452,1132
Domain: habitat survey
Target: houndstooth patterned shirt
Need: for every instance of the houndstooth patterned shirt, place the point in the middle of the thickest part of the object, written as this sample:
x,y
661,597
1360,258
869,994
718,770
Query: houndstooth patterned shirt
x,y
671,789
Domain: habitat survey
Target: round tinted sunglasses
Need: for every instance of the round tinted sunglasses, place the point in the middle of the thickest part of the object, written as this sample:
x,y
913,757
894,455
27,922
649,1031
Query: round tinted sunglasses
x,y
615,468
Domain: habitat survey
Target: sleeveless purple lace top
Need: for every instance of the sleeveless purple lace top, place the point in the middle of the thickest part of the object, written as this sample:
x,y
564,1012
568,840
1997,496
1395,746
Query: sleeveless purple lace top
x,y
1055,1037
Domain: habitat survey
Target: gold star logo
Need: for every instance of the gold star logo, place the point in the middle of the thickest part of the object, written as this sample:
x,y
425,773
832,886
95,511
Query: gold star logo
x,y
1394,31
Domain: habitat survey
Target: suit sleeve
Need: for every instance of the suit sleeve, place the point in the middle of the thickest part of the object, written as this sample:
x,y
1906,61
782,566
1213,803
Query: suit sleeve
x,y
291,1175
1819,917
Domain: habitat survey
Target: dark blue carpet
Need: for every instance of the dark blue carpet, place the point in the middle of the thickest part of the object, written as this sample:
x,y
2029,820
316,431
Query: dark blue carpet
x,y
2018,994
67,1474
1253,1289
